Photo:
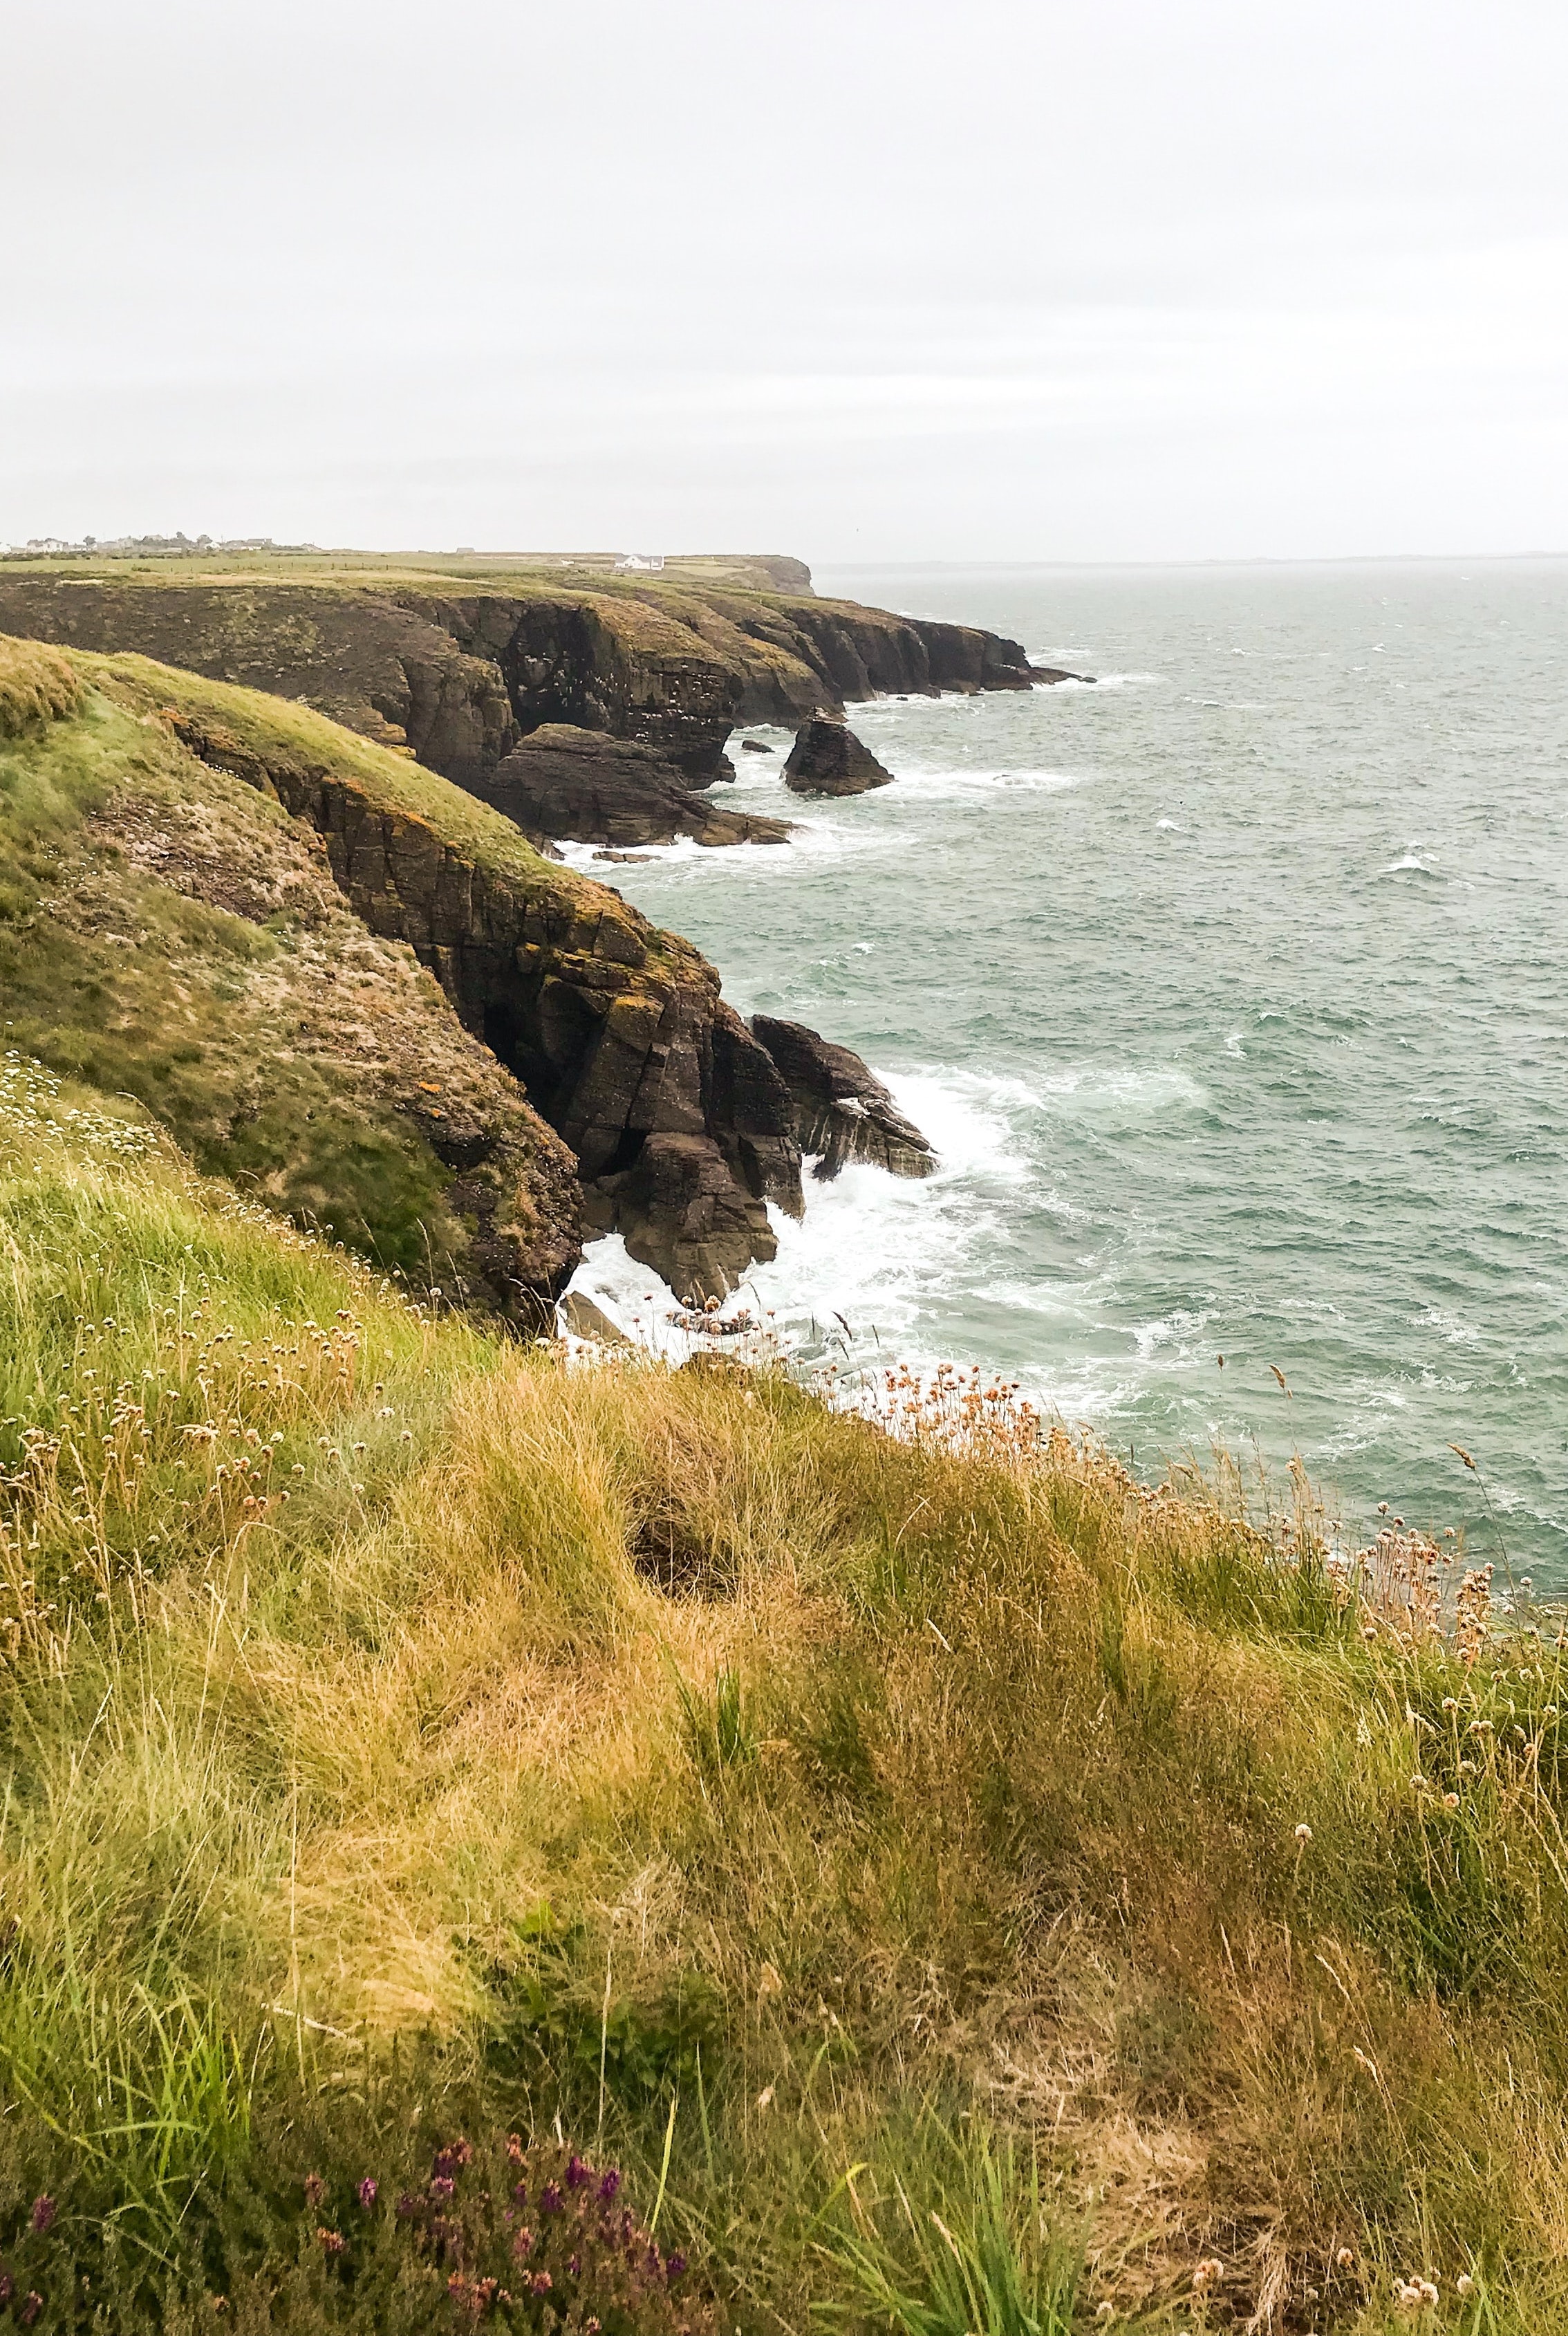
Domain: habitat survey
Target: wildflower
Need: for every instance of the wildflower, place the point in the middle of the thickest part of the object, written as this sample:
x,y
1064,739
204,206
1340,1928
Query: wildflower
x,y
550,2198
314,2189
1418,1784
610,2184
1346,2258
1450,1703
1464,2284
367,2190
331,2242
591,2327
31,2309
515,2147
577,2173
674,2264
523,2245
407,2205
1450,1800
573,2265
442,2186
1204,2276
1303,1835
541,2283
6,2286
44,2213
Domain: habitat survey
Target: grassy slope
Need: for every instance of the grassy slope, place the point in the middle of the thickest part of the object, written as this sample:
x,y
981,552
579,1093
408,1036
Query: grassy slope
x,y
946,1826
168,932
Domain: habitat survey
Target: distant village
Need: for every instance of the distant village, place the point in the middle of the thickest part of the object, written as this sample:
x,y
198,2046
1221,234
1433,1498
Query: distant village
x,y
145,546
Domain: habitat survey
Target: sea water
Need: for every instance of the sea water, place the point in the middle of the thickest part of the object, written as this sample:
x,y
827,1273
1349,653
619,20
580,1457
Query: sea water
x,y
1232,990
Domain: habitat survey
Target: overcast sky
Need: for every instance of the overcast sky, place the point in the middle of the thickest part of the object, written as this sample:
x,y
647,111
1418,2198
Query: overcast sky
x,y
1116,279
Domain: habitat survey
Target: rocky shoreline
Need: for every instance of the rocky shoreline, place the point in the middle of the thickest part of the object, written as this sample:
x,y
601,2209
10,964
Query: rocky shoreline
x,y
590,710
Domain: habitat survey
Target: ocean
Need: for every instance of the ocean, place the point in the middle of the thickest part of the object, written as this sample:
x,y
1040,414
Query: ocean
x,y
1232,990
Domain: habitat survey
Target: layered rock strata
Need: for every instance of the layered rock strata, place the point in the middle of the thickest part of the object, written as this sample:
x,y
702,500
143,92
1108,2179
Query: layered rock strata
x,y
582,784
843,1113
828,759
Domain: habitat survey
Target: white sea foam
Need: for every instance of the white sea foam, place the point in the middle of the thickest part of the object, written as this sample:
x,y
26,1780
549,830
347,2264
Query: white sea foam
x,y
1412,864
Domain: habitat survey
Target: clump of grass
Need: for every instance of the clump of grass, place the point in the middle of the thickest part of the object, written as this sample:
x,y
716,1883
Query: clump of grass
x,y
37,685
972,2254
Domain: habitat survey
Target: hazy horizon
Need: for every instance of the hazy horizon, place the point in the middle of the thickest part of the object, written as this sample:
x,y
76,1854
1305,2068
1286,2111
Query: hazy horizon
x,y
880,285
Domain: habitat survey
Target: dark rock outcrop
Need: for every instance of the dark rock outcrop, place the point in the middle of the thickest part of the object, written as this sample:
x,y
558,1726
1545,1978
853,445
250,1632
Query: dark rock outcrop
x,y
563,782
752,746
842,1111
615,1030
828,759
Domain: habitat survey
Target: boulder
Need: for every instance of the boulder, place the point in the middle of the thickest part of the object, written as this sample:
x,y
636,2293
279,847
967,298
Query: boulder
x,y
828,759
753,746
681,1209
581,1318
842,1110
564,782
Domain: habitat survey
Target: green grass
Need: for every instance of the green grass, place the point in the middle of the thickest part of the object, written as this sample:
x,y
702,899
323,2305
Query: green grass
x,y
979,1893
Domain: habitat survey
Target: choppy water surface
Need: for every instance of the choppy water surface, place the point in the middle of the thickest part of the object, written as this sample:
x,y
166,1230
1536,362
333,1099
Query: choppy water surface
x,y
1234,993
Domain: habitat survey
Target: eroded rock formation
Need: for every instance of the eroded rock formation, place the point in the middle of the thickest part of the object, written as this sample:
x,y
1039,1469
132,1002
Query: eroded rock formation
x,y
828,759
681,1126
843,1112
562,782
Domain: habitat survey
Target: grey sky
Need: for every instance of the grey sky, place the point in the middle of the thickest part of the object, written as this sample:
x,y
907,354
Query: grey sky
x,y
1120,281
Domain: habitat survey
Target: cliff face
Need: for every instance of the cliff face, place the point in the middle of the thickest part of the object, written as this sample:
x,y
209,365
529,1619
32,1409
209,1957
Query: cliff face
x,y
342,980
455,672
682,1127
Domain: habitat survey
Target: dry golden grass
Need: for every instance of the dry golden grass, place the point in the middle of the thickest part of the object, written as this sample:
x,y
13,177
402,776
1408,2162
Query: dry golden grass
x,y
762,1793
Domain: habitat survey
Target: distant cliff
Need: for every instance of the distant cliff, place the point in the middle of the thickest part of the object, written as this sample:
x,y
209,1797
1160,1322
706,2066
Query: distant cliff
x,y
455,669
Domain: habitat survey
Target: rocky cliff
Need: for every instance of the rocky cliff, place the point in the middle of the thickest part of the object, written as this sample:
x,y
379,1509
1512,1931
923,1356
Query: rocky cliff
x,y
455,669
341,976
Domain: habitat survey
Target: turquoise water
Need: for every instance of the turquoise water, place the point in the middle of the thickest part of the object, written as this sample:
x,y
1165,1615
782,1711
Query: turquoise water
x,y
1234,993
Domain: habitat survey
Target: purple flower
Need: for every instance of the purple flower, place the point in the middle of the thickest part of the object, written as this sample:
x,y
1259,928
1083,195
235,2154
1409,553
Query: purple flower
x,y
674,2266
577,2173
523,2245
31,2309
367,2190
541,2283
515,2147
44,2213
520,2192
314,2189
550,2198
442,2186
407,2204
454,2156
610,2185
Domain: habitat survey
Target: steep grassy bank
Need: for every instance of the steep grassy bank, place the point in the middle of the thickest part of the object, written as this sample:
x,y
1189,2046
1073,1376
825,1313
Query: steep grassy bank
x,y
926,1867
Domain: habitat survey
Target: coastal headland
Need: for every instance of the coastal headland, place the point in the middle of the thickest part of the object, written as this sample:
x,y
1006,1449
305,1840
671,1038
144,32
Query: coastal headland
x,y
425,731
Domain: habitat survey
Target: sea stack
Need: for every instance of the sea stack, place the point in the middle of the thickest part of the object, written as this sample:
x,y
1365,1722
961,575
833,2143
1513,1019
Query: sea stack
x,y
843,1112
828,759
